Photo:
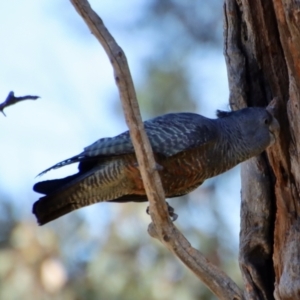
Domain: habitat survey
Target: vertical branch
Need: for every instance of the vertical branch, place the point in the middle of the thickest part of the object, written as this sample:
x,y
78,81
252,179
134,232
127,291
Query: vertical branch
x,y
161,228
267,39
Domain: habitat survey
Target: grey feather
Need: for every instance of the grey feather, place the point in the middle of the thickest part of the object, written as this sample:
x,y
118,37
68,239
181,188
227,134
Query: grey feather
x,y
168,135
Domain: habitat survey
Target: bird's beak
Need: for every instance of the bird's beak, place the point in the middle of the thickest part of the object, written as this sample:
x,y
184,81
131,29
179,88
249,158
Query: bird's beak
x,y
274,129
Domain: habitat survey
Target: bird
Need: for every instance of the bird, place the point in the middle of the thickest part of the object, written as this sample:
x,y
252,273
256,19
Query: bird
x,y
188,149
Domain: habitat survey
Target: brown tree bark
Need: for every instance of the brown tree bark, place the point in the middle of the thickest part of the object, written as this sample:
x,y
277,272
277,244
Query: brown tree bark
x,y
262,50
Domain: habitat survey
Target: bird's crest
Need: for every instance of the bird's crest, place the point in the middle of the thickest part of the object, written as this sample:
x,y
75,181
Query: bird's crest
x,y
224,114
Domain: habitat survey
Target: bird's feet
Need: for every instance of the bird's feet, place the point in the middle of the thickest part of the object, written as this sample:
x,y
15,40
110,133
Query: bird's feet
x,y
171,212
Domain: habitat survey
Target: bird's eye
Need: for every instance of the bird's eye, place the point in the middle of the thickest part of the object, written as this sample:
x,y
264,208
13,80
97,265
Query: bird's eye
x,y
266,121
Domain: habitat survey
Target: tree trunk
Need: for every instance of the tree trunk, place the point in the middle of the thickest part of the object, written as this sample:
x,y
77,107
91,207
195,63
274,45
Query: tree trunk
x,y
262,50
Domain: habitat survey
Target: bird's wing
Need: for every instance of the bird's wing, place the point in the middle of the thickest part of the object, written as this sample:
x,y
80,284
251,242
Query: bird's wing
x,y
168,134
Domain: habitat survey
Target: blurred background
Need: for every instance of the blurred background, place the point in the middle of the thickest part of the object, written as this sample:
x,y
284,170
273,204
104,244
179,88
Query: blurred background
x,y
174,49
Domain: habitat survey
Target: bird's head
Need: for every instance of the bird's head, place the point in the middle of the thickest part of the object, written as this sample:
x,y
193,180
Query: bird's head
x,y
257,128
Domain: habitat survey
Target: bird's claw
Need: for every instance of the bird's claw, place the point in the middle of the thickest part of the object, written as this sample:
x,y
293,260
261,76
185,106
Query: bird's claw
x,y
171,212
173,217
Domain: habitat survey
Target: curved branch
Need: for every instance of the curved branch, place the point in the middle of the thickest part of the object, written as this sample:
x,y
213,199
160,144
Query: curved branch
x,y
161,228
11,99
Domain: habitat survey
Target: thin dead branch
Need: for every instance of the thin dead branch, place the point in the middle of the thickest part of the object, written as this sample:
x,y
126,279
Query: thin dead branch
x,y
161,228
12,99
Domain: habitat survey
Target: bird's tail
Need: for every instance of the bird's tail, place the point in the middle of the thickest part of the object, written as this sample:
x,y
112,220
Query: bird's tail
x,y
45,212
105,183
57,201
49,186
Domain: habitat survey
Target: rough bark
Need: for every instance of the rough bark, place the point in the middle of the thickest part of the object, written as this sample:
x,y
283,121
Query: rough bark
x,y
262,50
